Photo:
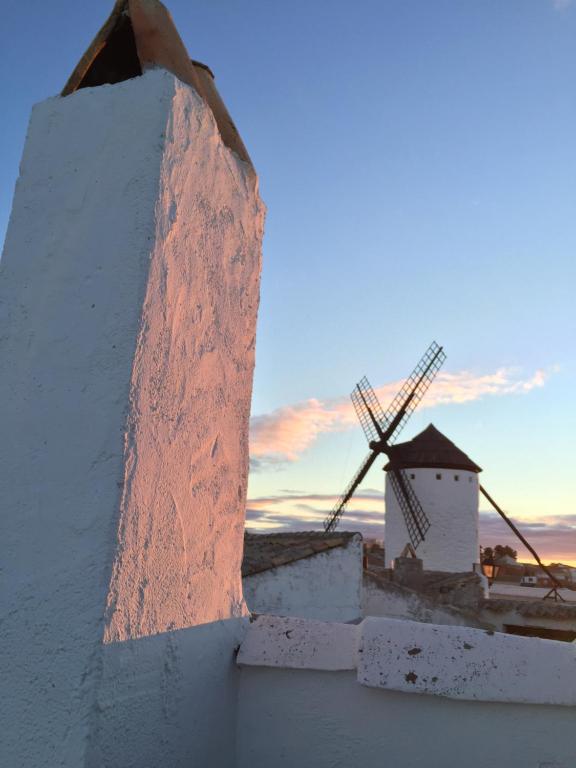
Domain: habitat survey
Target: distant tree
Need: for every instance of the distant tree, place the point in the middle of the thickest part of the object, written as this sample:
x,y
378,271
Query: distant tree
x,y
503,550
486,555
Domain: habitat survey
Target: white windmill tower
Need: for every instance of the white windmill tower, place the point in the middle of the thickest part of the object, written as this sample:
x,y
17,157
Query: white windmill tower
x,y
432,487
445,480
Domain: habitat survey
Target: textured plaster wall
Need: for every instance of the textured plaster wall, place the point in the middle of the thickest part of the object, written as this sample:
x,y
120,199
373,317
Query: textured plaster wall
x,y
465,663
451,543
186,447
325,586
412,657
169,701
401,693
314,719
128,299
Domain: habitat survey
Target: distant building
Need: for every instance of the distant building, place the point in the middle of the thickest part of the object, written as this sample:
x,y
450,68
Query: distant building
x,y
445,481
308,574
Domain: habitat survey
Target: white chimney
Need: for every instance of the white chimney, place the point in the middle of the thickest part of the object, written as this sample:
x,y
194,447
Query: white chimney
x,y
128,301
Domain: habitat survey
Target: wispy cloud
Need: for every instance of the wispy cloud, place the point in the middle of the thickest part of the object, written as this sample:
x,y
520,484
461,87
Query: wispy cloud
x,y
554,537
561,5
284,434
292,510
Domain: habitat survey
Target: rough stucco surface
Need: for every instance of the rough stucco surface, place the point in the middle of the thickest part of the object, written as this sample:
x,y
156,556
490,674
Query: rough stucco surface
x,y
274,641
465,663
326,586
169,701
313,719
412,657
128,300
451,542
186,451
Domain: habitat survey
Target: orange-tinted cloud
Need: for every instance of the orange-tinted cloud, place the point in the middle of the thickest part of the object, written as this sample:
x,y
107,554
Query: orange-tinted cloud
x,y
287,432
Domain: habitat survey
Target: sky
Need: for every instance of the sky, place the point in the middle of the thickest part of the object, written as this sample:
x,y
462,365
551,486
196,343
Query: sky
x,y
418,162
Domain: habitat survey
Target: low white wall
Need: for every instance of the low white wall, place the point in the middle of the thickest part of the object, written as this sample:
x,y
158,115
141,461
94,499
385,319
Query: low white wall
x,y
301,703
313,719
168,701
275,641
325,586
413,657
465,663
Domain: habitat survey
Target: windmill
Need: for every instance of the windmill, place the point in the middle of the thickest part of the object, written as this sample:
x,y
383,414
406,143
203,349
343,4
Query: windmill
x,y
381,430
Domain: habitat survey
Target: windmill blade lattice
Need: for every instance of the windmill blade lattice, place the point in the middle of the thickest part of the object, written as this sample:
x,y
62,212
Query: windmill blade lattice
x,y
332,520
417,523
412,391
368,409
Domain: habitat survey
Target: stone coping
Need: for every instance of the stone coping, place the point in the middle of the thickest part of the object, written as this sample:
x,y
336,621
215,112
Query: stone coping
x,y
412,657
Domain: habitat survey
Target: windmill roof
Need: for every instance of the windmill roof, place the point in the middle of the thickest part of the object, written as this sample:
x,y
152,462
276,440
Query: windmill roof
x,y
430,449
264,551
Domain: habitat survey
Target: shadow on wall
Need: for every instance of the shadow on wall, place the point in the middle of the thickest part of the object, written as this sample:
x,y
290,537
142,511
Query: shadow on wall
x,y
168,700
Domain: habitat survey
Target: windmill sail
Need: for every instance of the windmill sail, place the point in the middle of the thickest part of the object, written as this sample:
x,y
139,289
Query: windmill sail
x,y
332,520
381,429
368,409
412,391
417,522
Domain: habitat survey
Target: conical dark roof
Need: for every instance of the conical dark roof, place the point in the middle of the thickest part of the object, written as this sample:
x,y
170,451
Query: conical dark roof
x,y
430,449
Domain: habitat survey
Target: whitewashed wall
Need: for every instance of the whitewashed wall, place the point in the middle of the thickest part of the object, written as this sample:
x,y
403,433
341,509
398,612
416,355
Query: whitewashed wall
x,y
128,299
313,719
325,586
405,694
451,543
169,700
395,602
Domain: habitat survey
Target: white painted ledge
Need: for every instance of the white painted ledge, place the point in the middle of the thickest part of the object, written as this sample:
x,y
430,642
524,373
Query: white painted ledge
x,y
291,643
465,663
412,657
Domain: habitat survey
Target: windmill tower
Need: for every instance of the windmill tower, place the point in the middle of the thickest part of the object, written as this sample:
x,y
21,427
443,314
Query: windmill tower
x,y
445,480
431,485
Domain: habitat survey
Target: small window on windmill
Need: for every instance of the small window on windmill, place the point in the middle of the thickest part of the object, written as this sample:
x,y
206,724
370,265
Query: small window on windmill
x,y
456,477
438,476
412,477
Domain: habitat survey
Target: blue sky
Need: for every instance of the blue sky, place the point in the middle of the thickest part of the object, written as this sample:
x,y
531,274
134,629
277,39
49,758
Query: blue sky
x,y
418,161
